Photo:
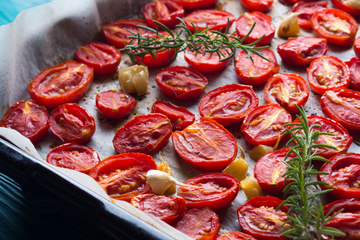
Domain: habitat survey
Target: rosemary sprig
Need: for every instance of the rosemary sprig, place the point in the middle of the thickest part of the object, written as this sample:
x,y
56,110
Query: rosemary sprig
x,y
199,42
306,219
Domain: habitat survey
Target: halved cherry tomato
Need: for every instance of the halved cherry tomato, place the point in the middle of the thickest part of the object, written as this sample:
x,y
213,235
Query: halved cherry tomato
x,y
114,32
229,103
287,90
199,224
234,236
213,190
192,5
336,26
115,105
205,145
73,156
340,137
72,123
180,117
258,218
344,175
28,118
357,47
269,170
167,209
104,59
346,7
326,73
354,68
145,134
163,11
123,176
181,83
307,9
264,26
213,19
63,83
257,5
259,71
301,51
264,124
342,105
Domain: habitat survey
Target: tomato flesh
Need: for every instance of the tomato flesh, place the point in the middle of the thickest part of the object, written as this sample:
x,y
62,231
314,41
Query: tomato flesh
x,y
357,47
213,19
192,5
307,9
257,5
234,236
346,7
354,68
115,105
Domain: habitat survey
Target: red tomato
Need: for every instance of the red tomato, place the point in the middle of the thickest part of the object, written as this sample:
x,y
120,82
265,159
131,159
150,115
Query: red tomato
x,y
181,83
340,137
287,90
104,59
28,118
229,103
327,73
72,123
192,5
180,117
115,34
344,175
259,71
63,83
199,224
336,26
264,124
115,105
167,209
258,218
163,11
73,156
205,145
354,67
123,176
342,105
213,190
263,26
301,51
307,9
346,7
257,5
213,19
234,236
145,134
357,47
269,169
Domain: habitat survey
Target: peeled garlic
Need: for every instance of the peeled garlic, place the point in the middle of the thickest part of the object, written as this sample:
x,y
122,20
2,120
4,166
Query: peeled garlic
x,y
352,3
251,187
257,152
290,26
134,79
238,168
164,166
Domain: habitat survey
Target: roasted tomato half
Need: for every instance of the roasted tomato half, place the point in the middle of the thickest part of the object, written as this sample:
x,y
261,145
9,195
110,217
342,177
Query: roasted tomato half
x,y
229,103
307,9
343,106
28,118
181,83
351,7
287,90
234,236
213,19
73,156
264,124
123,176
205,145
63,83
199,224
336,26
192,5
258,218
104,59
257,5
146,134
326,73
72,123
354,68
264,26
167,209
301,51
357,47
259,70
213,190
343,175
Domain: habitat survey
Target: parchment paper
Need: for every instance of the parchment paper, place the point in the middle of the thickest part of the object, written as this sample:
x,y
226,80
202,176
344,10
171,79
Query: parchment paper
x,y
50,34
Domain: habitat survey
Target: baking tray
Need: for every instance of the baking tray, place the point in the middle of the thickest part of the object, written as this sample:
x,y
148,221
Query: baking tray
x,y
49,35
